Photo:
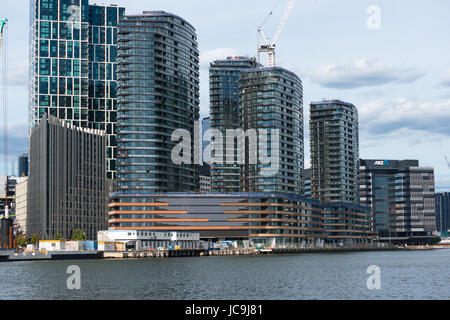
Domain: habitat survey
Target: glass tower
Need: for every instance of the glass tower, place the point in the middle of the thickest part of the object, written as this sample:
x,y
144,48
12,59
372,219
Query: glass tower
x,y
73,66
158,91
272,99
334,135
225,115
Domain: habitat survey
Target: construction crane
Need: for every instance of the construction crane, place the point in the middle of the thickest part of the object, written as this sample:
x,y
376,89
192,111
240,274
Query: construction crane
x,y
3,23
269,46
448,163
4,80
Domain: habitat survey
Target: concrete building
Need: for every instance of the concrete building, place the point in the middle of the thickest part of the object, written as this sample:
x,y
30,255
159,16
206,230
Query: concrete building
x,y
307,179
22,206
73,49
225,115
334,140
67,181
158,81
271,103
443,213
401,194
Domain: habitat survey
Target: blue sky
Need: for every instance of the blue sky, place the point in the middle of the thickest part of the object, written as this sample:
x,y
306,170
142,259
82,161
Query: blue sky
x,y
397,76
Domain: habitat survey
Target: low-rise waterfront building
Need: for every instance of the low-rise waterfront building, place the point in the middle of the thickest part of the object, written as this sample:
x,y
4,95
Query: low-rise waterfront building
x,y
270,219
145,239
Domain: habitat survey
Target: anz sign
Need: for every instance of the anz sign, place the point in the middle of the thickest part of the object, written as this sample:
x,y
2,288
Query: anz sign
x,y
381,163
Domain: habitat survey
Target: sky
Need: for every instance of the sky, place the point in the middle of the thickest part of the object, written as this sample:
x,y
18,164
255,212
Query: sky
x,y
390,58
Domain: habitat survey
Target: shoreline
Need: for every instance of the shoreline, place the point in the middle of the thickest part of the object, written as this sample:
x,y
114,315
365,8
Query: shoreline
x,y
133,255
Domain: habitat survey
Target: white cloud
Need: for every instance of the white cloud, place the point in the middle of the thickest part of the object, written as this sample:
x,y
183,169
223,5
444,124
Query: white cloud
x,y
385,116
363,73
446,80
220,53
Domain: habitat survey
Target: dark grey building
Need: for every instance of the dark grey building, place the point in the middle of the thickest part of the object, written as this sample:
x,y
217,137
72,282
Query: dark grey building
x,y
23,165
443,213
225,115
158,90
334,137
401,194
67,187
271,99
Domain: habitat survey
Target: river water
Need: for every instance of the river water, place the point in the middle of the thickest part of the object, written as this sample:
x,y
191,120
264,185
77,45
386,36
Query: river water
x,y
343,276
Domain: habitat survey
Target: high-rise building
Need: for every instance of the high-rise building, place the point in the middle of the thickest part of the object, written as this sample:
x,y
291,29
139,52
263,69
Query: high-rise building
x,y
158,90
271,102
334,140
23,165
401,195
73,66
443,212
225,115
67,187
206,139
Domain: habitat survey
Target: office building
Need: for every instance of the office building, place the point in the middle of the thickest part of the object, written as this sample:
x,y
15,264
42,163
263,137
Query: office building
x,y
443,213
22,206
267,218
23,165
334,142
271,104
225,115
158,90
67,182
73,66
8,195
401,195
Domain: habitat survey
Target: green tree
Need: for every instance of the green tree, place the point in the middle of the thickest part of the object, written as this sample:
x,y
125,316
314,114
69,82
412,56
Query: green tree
x,y
35,238
79,235
21,240
58,236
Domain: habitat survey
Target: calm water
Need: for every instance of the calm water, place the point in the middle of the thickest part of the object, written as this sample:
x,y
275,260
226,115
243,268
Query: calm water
x,y
404,275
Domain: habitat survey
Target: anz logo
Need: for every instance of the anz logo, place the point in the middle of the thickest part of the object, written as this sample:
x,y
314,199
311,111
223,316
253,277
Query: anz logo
x,y
381,163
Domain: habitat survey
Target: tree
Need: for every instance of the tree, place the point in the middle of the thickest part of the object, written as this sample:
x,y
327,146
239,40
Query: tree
x,y
58,236
21,240
79,235
35,238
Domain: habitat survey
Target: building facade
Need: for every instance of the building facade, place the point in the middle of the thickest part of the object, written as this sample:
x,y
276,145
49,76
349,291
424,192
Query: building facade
x,y
401,194
334,142
22,206
271,103
225,115
67,186
158,90
73,66
206,139
269,218
443,212
205,178
23,165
